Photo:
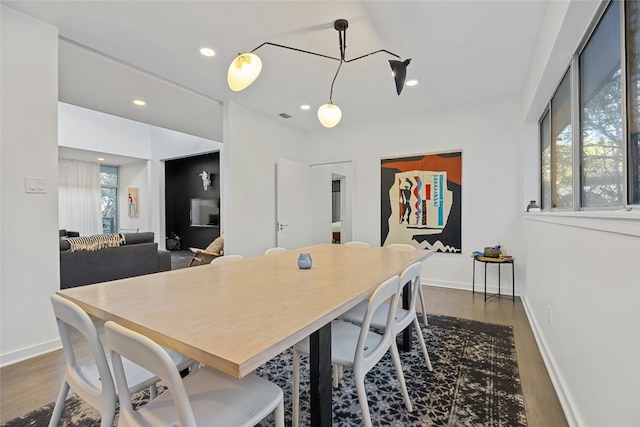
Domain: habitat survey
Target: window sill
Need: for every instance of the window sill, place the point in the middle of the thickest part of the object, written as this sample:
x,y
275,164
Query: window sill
x,y
619,221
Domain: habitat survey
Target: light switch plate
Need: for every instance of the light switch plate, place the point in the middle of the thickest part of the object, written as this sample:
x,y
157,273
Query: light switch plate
x,y
35,184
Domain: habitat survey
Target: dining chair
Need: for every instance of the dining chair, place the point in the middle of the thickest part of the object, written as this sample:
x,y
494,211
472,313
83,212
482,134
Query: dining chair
x,y
93,381
226,258
359,348
406,247
403,318
357,244
273,251
205,398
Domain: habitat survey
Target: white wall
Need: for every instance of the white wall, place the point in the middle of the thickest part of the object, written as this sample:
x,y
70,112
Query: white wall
x,y
252,145
135,175
486,134
590,280
582,275
94,131
29,271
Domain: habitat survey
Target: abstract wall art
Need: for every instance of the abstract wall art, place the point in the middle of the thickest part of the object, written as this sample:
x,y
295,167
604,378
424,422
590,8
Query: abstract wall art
x,y
133,201
421,201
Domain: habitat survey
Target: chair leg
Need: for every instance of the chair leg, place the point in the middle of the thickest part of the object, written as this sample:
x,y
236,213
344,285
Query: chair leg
x,y
424,306
279,414
362,397
403,385
418,330
106,420
153,391
296,389
57,410
336,375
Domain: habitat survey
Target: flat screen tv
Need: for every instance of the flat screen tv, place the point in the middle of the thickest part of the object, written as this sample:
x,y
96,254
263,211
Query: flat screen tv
x,y
205,212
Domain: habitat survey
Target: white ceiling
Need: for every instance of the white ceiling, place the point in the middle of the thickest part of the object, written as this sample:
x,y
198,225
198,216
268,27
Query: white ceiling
x,y
113,51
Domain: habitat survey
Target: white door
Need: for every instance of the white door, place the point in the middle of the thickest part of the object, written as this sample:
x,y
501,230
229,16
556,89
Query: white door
x,y
303,205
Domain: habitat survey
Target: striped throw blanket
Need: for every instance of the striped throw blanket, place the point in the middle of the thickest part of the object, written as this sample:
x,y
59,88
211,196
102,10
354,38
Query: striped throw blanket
x,y
94,243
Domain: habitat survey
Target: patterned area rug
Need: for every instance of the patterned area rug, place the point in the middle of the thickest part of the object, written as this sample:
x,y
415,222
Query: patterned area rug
x,y
475,382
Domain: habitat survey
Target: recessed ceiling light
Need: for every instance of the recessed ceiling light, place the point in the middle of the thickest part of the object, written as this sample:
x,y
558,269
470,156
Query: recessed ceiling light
x,y
412,82
305,107
207,51
139,102
100,159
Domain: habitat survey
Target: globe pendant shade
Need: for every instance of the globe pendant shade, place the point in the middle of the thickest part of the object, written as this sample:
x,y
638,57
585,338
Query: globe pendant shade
x,y
329,115
243,71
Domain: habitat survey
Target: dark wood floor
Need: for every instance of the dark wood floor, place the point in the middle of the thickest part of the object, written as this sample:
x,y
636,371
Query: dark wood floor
x,y
30,384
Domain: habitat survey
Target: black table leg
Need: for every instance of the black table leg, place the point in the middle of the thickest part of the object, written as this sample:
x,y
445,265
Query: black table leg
x,y
485,281
321,372
404,343
498,280
513,282
473,282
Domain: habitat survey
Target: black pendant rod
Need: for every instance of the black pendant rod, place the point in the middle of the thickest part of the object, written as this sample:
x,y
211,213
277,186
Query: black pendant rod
x,y
322,55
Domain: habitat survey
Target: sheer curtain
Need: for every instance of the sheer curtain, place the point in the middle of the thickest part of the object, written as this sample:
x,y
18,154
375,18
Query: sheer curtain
x,y
79,197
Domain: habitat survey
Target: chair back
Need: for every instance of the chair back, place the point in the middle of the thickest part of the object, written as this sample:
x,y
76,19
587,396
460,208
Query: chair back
x,y
101,393
401,247
226,258
411,275
273,251
146,353
357,244
369,357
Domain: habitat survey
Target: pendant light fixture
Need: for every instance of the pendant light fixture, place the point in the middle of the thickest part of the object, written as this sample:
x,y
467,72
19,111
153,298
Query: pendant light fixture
x,y
246,68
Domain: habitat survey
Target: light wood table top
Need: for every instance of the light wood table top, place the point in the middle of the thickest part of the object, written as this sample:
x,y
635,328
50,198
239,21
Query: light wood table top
x,y
237,316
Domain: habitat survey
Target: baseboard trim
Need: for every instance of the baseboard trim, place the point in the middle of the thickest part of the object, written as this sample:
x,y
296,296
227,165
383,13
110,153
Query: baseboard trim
x,y
556,378
491,288
29,352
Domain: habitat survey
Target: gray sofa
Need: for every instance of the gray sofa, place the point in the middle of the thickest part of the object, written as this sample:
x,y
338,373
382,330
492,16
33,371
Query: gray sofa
x,y
137,256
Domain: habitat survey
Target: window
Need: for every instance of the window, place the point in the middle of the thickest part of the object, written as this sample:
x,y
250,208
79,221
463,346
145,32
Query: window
x,y
562,147
588,137
109,190
632,26
602,151
545,160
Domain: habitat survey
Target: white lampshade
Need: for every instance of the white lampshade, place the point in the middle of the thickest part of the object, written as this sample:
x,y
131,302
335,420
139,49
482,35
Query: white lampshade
x,y
329,115
243,71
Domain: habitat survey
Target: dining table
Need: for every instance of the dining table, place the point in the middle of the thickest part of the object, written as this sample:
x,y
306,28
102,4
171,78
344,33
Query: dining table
x,y
236,316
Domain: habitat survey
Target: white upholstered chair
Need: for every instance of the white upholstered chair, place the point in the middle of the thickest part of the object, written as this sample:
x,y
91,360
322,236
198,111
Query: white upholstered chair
x,y
403,317
406,247
205,398
359,348
276,250
93,382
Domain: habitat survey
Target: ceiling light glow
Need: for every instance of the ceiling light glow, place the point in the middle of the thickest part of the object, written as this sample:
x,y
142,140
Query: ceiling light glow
x,y
412,82
305,107
207,51
139,102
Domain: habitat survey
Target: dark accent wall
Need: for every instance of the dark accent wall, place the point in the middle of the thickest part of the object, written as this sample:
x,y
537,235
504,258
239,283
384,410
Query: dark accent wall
x,y
182,183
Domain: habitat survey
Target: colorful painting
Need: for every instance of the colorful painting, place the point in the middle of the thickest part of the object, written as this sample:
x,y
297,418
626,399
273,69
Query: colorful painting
x,y
133,201
421,201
